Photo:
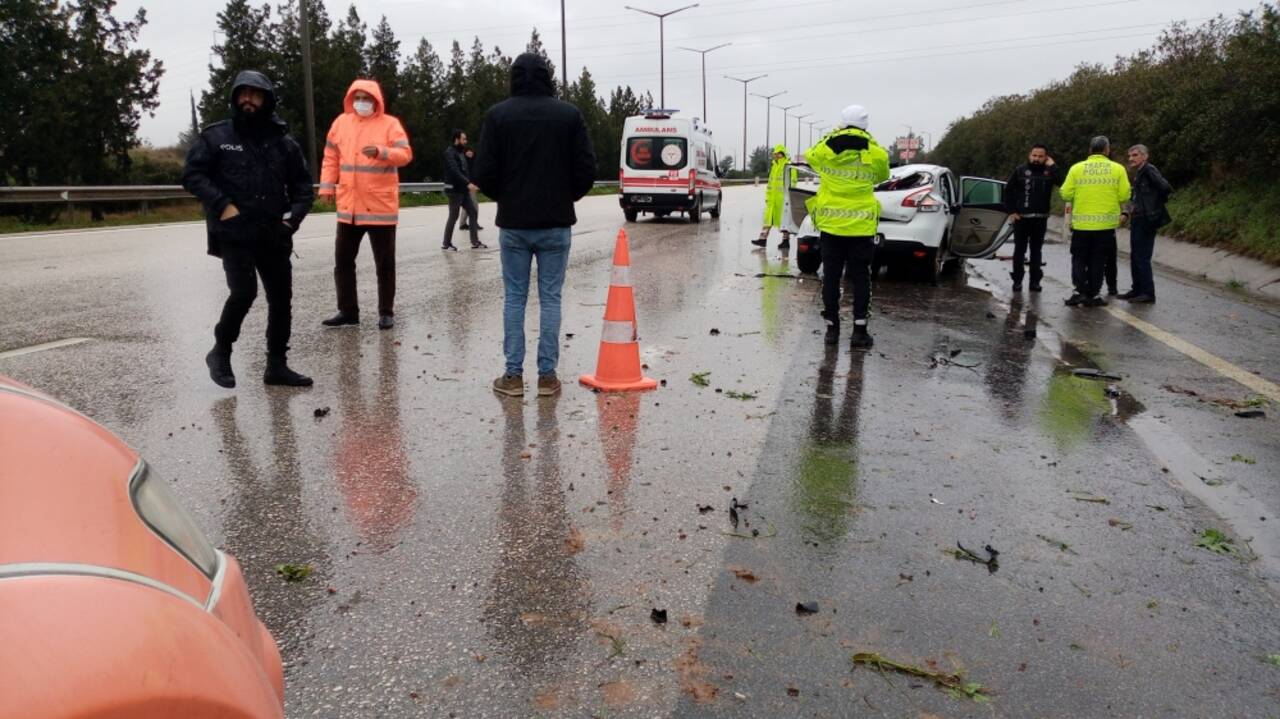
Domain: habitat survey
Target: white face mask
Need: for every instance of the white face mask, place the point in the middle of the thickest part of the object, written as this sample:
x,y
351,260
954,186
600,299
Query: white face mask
x,y
363,108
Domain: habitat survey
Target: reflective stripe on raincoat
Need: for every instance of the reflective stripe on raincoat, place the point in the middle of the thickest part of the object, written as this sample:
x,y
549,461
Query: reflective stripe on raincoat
x,y
367,188
1096,188
773,192
846,204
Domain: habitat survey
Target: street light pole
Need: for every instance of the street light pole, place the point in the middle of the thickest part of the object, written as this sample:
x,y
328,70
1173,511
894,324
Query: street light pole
x,y
662,40
768,113
811,124
785,118
564,54
744,113
308,92
798,119
703,53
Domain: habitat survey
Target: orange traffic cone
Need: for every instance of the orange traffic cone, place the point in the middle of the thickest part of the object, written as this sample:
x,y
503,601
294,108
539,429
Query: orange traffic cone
x,y
618,368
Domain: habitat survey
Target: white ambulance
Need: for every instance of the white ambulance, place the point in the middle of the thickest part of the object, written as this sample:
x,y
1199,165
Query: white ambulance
x,y
668,165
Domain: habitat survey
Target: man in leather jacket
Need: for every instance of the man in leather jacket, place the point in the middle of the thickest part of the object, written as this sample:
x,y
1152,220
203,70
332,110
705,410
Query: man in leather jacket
x,y
1027,197
250,175
1146,213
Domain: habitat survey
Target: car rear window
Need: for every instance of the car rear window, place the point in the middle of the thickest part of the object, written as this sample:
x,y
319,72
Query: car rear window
x,y
909,181
657,153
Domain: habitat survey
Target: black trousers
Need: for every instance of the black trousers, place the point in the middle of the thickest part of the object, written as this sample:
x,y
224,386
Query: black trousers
x,y
382,238
1090,251
855,253
265,257
459,201
1109,273
1028,232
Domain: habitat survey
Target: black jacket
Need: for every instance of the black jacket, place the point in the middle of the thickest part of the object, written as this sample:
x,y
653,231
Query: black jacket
x,y
1150,192
1029,190
252,162
457,170
535,157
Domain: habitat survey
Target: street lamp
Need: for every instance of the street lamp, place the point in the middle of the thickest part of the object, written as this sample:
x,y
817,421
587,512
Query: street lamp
x,y
703,53
744,113
662,60
784,120
768,114
798,119
811,124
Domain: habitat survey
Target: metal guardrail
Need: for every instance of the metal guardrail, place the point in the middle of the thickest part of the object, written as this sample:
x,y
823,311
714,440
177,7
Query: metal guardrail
x,y
148,193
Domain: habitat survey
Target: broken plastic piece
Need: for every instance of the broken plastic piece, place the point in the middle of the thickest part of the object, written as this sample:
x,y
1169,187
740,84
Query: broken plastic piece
x,y
805,608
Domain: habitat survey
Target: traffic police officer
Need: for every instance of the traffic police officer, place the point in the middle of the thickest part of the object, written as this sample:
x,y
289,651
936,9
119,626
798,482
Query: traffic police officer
x,y
1095,188
847,214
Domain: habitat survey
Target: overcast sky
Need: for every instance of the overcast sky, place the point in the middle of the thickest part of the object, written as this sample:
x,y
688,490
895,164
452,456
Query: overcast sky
x,y
921,64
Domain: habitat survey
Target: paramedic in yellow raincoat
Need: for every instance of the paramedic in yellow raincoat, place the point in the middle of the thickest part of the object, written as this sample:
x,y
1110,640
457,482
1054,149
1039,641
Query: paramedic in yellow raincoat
x,y
773,200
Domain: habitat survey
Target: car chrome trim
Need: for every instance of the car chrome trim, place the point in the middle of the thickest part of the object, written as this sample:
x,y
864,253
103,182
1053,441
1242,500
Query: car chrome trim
x,y
44,569
219,578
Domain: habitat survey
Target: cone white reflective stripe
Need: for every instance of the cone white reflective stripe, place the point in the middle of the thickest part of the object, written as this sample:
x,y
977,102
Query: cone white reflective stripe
x,y
618,332
621,276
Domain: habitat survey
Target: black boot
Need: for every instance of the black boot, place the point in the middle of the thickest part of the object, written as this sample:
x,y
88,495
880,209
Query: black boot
x,y
786,241
341,319
1035,282
1017,282
833,334
861,340
219,361
278,372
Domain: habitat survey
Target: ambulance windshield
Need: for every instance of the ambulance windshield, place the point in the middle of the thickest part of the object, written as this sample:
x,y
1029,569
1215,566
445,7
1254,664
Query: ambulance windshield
x,y
657,153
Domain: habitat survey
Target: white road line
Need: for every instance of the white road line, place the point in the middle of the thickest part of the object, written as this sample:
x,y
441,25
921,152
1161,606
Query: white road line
x,y
1268,389
42,347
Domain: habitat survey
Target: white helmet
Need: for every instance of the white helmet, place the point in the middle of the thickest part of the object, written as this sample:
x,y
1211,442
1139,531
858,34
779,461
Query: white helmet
x,y
855,116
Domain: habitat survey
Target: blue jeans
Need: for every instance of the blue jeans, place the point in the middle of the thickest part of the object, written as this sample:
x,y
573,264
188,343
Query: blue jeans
x,y
1142,244
519,247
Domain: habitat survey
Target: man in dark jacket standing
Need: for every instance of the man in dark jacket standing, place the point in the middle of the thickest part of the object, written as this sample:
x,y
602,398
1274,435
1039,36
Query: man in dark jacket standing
x,y
1027,198
1146,214
458,188
535,160
251,177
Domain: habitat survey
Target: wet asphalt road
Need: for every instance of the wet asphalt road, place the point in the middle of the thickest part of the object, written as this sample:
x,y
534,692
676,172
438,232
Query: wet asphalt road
x,y
483,557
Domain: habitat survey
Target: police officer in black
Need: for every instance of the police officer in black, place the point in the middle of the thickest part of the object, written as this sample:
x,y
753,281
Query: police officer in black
x,y
1027,197
253,181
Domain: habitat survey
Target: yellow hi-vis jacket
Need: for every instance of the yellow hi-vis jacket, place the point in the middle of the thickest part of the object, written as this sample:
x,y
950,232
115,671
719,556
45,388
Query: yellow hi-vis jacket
x,y
846,204
773,191
1096,188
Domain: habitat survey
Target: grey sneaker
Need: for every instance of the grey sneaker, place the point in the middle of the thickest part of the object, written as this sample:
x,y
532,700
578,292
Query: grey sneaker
x,y
512,385
548,385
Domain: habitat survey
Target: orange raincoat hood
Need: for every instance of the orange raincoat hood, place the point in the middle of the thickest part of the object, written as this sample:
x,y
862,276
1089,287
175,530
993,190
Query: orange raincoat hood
x,y
370,86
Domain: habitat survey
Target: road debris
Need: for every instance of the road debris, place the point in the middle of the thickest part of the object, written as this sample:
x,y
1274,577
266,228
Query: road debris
x,y
806,608
294,572
991,562
953,683
1243,459
1217,542
700,378
1124,526
1061,545
659,616
321,412
744,574
1091,373
1095,499
715,332
1251,414
743,396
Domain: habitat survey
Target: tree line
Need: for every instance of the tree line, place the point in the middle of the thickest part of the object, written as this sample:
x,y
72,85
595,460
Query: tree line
x,y
431,94
1203,99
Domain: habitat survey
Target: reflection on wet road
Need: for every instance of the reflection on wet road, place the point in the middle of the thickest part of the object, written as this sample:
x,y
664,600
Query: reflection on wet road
x,y
477,556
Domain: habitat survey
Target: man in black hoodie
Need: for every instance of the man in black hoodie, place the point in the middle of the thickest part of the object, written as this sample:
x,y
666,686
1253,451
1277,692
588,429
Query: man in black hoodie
x,y
251,177
535,159
1027,197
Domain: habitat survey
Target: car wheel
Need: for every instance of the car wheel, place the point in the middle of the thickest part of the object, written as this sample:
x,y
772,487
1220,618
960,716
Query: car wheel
x,y
631,215
715,211
695,212
929,269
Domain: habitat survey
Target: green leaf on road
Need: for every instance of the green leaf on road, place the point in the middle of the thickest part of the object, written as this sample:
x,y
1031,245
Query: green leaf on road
x,y
1243,458
1273,659
1061,545
1090,498
954,683
700,378
1217,542
744,396
294,572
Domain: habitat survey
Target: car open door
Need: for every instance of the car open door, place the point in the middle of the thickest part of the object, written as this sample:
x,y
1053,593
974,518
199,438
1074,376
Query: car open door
x,y
796,194
981,225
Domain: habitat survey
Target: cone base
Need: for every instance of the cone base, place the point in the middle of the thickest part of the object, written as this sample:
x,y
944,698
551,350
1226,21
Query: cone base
x,y
643,384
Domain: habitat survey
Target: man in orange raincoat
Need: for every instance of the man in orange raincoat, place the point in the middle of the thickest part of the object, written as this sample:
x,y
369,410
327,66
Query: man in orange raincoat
x,y
362,152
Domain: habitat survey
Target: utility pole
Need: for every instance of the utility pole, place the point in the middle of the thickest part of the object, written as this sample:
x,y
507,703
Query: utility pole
x,y
662,41
798,119
768,114
703,53
811,124
744,112
308,92
564,54
785,118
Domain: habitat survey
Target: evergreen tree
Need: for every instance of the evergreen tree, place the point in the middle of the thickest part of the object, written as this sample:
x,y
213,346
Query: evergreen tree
x,y
34,40
246,45
536,47
420,109
382,60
